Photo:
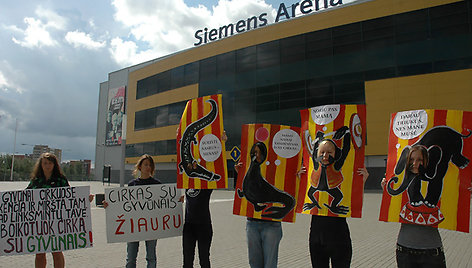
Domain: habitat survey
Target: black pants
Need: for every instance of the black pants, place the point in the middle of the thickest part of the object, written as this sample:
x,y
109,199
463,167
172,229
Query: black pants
x,y
340,255
193,233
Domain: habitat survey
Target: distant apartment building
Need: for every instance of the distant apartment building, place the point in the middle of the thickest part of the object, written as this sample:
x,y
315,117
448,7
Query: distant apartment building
x,y
39,149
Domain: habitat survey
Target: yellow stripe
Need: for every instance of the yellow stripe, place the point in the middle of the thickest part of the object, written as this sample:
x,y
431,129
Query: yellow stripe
x,y
348,167
450,194
223,144
196,152
183,126
396,201
250,140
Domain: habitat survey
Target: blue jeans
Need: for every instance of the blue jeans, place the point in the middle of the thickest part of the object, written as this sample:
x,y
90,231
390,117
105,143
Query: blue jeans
x,y
263,239
132,250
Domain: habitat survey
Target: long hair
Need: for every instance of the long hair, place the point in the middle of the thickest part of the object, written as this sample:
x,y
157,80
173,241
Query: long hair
x,y
262,147
424,153
138,165
38,171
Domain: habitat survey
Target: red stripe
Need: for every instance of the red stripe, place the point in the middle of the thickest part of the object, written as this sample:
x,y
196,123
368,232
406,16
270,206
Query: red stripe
x,y
465,176
391,162
305,162
271,156
357,180
239,180
291,179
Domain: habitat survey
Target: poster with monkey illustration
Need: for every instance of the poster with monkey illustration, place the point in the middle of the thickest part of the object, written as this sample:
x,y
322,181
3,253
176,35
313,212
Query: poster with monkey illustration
x,y
201,153
266,186
428,169
333,152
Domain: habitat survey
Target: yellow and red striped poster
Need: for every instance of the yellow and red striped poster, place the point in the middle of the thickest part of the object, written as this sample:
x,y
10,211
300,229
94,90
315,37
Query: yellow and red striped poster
x,y
333,151
266,186
428,169
201,154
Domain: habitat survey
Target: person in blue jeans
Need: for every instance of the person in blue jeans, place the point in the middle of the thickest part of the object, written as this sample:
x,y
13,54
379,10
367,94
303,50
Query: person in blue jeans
x,y
263,236
146,167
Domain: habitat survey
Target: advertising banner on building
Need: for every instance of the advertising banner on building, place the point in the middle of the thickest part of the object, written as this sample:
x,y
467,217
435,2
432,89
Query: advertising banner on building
x,y
116,110
428,169
266,186
333,152
201,152
145,212
45,220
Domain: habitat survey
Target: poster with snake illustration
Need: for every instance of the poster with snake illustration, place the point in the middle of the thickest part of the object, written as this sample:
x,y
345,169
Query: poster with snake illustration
x,y
266,186
201,154
428,169
333,151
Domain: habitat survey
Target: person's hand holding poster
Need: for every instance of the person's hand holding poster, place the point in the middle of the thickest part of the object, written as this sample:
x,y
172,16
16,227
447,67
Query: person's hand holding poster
x,y
266,183
428,169
333,152
201,152
45,220
143,213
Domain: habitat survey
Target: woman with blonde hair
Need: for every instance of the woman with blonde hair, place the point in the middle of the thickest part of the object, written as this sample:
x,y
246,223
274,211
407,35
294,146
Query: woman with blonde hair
x,y
48,174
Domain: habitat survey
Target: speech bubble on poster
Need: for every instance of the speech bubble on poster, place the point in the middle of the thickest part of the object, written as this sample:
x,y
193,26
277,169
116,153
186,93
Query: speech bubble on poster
x,y
410,124
286,143
45,220
210,147
326,114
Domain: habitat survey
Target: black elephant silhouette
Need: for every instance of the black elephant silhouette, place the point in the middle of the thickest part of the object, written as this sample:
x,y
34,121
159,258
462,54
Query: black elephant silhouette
x,y
438,146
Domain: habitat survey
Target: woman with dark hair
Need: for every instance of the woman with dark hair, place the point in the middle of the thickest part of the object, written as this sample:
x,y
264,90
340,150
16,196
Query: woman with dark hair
x,y
48,174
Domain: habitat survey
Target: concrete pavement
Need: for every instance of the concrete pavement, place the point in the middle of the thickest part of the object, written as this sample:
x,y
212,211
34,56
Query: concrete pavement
x,y
373,241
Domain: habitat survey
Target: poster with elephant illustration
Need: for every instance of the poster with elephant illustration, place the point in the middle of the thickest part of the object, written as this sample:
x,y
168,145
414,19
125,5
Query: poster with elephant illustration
x,y
333,154
428,169
266,186
201,153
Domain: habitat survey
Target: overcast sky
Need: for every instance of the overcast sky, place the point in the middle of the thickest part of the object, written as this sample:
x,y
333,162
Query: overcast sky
x,y
54,54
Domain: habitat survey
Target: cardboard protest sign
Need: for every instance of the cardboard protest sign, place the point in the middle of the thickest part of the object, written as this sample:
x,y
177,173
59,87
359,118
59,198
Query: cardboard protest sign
x,y
45,220
266,185
145,212
428,169
332,187
201,154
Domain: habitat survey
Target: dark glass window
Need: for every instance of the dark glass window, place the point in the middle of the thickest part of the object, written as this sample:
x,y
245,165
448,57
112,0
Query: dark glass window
x,y
161,147
319,44
208,69
178,77
292,49
412,26
246,59
449,19
149,148
162,116
268,54
226,64
175,112
171,146
191,73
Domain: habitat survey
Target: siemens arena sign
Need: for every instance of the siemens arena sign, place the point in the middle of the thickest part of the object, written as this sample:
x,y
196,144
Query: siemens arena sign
x,y
206,35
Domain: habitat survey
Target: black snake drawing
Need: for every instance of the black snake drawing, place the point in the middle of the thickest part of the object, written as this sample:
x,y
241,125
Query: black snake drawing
x,y
188,163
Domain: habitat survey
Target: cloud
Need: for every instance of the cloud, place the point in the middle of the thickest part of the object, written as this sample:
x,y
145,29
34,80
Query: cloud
x,y
37,32
81,39
9,77
167,26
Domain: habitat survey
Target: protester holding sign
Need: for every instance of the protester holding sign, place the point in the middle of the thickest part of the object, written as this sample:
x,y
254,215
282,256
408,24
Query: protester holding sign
x,y
146,167
427,181
48,174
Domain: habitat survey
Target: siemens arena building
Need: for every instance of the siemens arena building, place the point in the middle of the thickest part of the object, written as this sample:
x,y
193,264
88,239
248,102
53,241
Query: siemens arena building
x,y
392,55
